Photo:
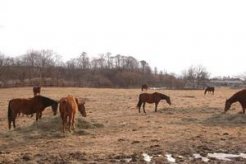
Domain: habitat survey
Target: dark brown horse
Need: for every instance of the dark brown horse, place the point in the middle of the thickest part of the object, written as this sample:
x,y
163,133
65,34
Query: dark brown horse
x,y
151,98
144,87
68,107
209,90
36,90
29,106
240,97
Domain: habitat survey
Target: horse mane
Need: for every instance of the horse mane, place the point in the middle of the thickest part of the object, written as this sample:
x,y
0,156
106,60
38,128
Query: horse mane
x,y
236,96
45,100
163,96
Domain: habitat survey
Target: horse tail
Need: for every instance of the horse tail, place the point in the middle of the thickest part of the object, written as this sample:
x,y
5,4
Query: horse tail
x,y
10,113
205,91
139,102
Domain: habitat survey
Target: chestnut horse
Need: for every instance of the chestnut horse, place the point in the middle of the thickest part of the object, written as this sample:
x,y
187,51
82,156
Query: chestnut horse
x,y
36,90
151,98
68,107
209,90
240,97
144,86
29,106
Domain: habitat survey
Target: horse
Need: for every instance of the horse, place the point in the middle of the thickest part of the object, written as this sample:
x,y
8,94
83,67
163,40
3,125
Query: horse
x,y
240,97
144,87
151,98
36,90
209,90
29,106
68,107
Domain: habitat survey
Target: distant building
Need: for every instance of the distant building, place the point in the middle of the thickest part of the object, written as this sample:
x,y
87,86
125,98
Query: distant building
x,y
216,82
227,82
196,85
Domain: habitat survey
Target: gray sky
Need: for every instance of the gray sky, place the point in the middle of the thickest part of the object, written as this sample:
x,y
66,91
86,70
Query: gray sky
x,y
170,35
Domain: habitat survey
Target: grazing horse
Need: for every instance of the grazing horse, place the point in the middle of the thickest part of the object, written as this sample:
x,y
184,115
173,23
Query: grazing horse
x,y
151,98
209,90
29,106
144,87
240,97
36,90
68,107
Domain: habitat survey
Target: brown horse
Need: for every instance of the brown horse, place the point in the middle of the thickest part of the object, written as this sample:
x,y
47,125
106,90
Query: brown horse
x,y
240,97
151,98
144,87
68,107
29,106
36,90
209,90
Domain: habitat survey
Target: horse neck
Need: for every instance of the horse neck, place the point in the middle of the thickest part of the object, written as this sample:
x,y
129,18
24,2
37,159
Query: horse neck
x,y
233,99
164,97
47,102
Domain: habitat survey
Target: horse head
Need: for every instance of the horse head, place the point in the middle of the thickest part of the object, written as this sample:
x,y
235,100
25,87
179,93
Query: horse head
x,y
165,97
54,107
81,108
168,100
227,106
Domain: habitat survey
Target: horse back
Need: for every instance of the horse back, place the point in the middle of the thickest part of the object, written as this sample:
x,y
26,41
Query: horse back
x,y
20,105
68,105
147,97
241,97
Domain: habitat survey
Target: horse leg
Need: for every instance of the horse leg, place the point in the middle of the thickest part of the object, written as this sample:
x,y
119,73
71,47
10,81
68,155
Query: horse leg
x,y
63,123
69,123
10,124
10,121
14,122
73,125
156,107
37,116
15,115
139,108
144,107
40,115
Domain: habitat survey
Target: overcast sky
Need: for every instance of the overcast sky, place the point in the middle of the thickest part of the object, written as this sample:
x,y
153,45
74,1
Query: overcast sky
x,y
170,35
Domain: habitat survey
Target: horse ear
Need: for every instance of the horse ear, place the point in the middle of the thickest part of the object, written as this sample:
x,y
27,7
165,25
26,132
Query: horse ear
x,y
77,100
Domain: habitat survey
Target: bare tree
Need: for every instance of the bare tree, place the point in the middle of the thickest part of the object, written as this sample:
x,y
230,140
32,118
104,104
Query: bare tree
x,y
117,61
143,65
83,61
196,76
109,60
202,75
1,63
131,63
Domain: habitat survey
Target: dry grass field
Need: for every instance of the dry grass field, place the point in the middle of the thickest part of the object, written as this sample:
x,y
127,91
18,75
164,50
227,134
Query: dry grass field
x,y
114,131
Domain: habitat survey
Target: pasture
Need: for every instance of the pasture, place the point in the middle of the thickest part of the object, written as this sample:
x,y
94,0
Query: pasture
x,y
114,131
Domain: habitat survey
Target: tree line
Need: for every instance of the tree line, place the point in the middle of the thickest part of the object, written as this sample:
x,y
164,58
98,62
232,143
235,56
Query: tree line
x,y
46,68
